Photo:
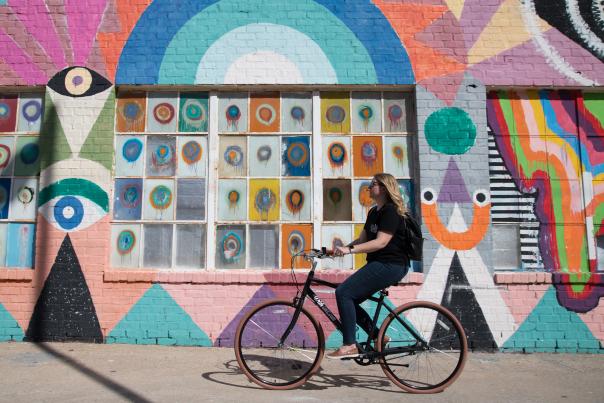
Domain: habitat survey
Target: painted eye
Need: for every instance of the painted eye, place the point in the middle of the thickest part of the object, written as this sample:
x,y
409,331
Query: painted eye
x,y
72,213
481,197
429,196
78,82
73,204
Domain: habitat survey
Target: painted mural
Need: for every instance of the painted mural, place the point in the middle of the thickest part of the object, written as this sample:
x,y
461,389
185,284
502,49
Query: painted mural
x,y
549,142
108,194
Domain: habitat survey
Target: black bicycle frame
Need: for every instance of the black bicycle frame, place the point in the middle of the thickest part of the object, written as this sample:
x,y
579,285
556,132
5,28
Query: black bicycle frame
x,y
308,292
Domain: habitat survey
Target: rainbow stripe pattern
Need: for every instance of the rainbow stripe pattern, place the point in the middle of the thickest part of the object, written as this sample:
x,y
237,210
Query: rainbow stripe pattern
x,y
552,143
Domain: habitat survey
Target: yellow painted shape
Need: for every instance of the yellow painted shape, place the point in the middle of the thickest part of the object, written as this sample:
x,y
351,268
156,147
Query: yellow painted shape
x,y
456,7
329,99
256,214
359,258
505,31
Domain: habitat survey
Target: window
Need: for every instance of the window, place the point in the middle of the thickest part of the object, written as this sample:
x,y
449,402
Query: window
x,y
281,179
160,180
363,133
265,178
20,120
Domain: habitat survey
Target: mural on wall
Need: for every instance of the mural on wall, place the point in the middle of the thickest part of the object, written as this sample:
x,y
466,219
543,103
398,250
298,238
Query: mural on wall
x,y
78,49
455,210
72,204
64,310
581,21
549,141
283,45
510,206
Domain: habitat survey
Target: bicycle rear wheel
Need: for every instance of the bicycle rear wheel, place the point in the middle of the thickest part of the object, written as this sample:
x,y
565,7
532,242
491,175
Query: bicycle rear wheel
x,y
426,368
260,355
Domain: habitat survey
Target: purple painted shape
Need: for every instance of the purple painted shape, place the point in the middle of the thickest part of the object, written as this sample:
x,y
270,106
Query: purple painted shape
x,y
8,76
580,59
453,189
111,22
34,15
83,20
525,65
20,61
270,323
227,337
444,35
578,302
57,14
474,18
96,61
444,87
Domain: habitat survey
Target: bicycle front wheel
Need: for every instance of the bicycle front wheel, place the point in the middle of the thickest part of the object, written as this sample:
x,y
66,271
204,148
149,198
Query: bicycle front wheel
x,y
427,364
267,360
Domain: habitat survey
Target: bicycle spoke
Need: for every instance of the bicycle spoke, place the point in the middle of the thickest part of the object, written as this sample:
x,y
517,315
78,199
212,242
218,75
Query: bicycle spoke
x,y
267,359
300,351
264,330
431,363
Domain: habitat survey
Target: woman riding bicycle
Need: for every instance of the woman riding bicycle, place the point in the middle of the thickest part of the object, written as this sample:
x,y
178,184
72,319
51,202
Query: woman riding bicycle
x,y
382,239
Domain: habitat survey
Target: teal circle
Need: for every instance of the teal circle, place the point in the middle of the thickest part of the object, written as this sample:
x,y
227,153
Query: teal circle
x,y
450,131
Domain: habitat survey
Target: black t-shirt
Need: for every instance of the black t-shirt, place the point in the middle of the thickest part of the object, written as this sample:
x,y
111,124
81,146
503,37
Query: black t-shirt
x,y
387,220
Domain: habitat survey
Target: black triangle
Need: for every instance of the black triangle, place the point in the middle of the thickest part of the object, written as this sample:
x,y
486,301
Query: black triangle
x,y
460,299
65,311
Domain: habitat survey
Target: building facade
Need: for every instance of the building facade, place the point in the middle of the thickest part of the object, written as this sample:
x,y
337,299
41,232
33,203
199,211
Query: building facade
x,y
161,161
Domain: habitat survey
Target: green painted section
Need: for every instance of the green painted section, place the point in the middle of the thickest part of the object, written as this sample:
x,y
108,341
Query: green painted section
x,y
54,146
157,319
594,102
450,131
9,328
552,328
98,146
313,20
335,338
75,187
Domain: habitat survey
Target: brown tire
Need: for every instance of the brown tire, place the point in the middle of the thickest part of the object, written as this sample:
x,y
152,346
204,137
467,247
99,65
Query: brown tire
x,y
436,365
263,361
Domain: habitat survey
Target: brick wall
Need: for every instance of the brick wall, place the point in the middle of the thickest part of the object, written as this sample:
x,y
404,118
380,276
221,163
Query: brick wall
x,y
470,188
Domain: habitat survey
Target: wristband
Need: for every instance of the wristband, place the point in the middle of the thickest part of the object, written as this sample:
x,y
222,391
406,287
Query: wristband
x,y
351,247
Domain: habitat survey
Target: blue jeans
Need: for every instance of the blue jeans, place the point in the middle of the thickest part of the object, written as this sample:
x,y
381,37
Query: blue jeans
x,y
366,281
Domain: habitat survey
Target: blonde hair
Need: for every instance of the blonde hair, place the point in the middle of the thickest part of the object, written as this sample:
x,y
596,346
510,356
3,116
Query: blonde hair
x,y
392,188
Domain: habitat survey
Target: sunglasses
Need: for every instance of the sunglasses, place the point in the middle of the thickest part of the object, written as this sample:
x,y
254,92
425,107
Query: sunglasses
x,y
374,183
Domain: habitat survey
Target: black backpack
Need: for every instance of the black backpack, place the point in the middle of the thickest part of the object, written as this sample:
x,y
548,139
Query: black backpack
x,y
414,243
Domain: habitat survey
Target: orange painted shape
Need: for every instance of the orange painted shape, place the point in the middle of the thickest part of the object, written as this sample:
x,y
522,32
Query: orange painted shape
x,y
428,62
286,233
368,156
112,43
457,240
265,112
130,113
409,19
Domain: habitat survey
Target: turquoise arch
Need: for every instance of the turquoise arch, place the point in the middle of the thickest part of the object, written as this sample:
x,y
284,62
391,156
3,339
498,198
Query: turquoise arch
x,y
313,65
357,39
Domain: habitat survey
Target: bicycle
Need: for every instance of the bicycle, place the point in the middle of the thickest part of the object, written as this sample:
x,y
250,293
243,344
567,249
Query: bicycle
x,y
421,346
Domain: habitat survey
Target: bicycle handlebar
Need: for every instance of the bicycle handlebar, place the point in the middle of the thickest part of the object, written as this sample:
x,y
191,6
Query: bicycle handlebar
x,y
316,253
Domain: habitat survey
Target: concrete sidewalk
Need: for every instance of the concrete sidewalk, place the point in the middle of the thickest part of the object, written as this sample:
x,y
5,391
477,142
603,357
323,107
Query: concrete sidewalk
x,y
54,372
